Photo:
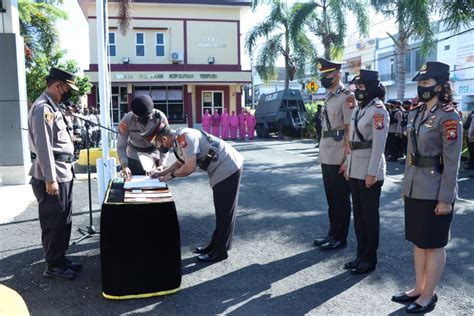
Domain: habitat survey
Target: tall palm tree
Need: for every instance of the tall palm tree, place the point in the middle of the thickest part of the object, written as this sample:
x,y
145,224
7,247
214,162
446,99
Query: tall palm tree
x,y
281,40
327,19
415,18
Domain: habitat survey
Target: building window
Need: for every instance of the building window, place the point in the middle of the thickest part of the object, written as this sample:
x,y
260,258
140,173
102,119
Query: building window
x,y
447,47
160,44
112,47
168,99
140,44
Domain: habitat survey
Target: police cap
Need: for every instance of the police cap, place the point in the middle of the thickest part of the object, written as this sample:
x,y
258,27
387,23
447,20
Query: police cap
x,y
63,76
433,69
327,66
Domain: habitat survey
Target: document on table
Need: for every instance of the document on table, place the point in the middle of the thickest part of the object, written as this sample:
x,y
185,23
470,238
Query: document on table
x,y
143,182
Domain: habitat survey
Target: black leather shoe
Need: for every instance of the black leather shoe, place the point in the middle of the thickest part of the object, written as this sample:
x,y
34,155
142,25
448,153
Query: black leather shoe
x,y
333,245
415,308
321,241
203,250
74,266
352,264
404,298
213,256
59,273
363,268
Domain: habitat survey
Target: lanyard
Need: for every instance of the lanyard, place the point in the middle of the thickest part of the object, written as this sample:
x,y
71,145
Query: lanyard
x,y
356,127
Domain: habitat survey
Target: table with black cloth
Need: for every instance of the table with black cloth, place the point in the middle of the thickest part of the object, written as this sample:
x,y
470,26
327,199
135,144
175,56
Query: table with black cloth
x,y
139,246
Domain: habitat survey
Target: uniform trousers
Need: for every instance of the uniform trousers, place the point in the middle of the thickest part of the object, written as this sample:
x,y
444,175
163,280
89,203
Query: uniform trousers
x,y
226,195
365,202
470,147
135,167
338,197
55,215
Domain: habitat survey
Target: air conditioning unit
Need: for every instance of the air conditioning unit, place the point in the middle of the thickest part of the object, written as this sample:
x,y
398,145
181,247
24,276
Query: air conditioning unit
x,y
176,57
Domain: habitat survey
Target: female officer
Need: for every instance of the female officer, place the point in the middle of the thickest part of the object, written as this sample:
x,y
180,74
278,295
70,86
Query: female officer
x,y
365,167
430,185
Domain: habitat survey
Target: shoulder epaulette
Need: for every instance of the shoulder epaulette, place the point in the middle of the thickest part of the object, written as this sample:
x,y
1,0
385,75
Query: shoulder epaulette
x,y
379,104
449,107
346,91
415,106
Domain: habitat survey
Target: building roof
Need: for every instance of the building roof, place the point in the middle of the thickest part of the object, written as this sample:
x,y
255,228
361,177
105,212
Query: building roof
x,y
204,2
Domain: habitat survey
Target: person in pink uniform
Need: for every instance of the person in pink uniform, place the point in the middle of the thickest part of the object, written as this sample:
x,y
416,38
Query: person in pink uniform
x,y
242,118
251,122
206,121
225,122
216,124
234,124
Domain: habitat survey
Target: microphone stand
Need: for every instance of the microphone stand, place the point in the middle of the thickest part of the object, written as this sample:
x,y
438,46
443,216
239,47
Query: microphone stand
x,y
90,230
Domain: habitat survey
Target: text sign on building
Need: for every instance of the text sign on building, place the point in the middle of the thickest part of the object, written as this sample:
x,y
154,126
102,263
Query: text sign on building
x,y
312,86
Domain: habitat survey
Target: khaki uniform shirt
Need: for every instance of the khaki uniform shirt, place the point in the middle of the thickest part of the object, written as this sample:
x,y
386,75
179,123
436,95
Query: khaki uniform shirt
x,y
48,134
373,123
191,142
396,127
129,132
338,112
438,132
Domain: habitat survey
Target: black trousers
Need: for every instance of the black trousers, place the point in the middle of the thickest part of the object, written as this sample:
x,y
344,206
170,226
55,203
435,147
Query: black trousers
x,y
365,203
338,198
135,167
55,215
226,195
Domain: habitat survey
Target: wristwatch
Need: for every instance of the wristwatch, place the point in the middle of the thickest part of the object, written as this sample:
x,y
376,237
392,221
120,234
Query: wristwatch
x,y
172,174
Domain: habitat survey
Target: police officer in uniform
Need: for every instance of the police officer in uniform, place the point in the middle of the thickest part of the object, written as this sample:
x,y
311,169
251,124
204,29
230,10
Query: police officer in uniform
x,y
394,140
51,172
469,127
365,167
430,184
224,167
333,147
130,142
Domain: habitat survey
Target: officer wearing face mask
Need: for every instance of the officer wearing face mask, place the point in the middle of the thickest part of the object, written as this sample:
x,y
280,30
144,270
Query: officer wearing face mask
x,y
223,164
130,142
333,148
430,184
365,167
52,153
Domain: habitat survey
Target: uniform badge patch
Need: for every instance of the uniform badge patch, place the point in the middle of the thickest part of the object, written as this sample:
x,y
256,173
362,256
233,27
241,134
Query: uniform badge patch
x,y
451,129
48,117
182,141
122,128
379,121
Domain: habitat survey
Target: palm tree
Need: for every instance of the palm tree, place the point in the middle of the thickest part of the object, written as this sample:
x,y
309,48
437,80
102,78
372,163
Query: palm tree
x,y
327,20
281,40
415,18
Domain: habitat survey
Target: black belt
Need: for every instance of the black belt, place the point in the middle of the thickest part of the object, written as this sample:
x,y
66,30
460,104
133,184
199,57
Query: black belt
x,y
58,157
360,145
147,150
333,133
424,162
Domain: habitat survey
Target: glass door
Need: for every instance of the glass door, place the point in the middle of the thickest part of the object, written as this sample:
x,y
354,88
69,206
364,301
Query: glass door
x,y
212,100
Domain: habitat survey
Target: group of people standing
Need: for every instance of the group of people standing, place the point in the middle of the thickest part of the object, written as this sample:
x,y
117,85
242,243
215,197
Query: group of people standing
x,y
355,127
231,126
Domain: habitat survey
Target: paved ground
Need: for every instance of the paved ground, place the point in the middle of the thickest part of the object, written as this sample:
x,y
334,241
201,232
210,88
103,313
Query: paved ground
x,y
272,269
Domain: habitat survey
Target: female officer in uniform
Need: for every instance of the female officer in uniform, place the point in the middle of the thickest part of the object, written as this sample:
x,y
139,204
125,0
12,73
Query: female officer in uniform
x,y
430,184
365,167
194,148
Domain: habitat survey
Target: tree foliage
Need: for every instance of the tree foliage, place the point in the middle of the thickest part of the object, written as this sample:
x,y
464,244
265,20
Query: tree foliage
x,y
37,26
281,40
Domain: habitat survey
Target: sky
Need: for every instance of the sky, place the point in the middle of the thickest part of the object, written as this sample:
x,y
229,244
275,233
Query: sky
x,y
75,34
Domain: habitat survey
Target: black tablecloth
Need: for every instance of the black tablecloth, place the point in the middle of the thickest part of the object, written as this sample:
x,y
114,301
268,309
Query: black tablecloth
x,y
140,247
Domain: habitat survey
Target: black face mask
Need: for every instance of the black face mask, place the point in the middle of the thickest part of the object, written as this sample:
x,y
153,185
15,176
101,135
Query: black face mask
x,y
426,93
65,97
327,82
163,149
361,95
